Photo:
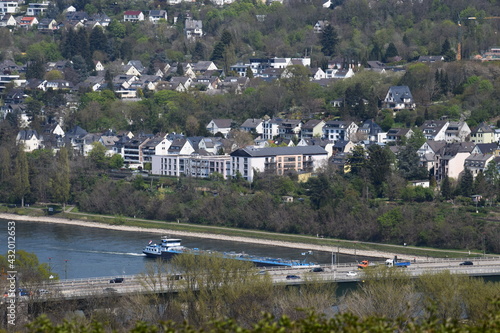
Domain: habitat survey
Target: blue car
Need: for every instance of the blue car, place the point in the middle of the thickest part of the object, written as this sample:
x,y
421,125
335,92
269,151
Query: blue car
x,y
292,277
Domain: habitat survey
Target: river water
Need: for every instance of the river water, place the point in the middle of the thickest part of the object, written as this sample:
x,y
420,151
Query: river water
x,y
81,252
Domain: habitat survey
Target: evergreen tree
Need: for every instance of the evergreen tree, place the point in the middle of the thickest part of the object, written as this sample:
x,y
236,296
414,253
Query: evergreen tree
x,y
21,176
391,51
35,70
466,183
199,51
447,52
69,45
180,69
98,40
329,41
357,160
218,52
226,38
446,190
249,73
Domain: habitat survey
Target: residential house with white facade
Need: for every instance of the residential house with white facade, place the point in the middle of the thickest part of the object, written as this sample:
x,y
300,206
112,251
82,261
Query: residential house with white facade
x,y
193,165
339,130
222,126
133,16
155,16
435,129
193,28
428,151
457,131
278,160
289,129
270,128
369,131
477,163
29,139
37,9
253,125
399,98
9,7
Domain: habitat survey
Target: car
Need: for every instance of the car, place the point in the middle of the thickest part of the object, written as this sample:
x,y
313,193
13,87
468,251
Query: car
x,y
317,270
110,290
292,277
466,263
24,292
117,280
352,274
43,291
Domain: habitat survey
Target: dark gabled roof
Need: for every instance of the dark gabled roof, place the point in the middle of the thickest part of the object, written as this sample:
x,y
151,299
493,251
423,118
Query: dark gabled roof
x,y
487,148
483,128
310,124
27,135
263,152
223,123
400,93
76,131
435,145
252,123
452,149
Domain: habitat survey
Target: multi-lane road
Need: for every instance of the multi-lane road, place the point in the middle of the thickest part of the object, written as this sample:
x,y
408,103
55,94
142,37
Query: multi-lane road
x,y
81,288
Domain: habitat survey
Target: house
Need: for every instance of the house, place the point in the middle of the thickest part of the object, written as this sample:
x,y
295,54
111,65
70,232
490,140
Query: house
x,y
222,126
102,19
181,147
37,9
398,135
53,136
98,66
155,16
317,74
369,131
157,145
180,83
431,59
132,150
270,128
8,21
193,28
47,24
289,129
337,129
320,26
202,67
29,139
137,64
312,129
435,130
194,165
477,163
325,144
457,131
9,7
487,148
483,133
450,159
28,21
246,162
133,16
427,153
15,96
399,98
253,126
74,137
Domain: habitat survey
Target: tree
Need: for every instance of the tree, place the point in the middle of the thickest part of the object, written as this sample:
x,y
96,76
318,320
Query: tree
x,y
180,69
357,160
98,155
21,176
218,52
35,70
466,185
379,163
98,40
60,183
391,52
249,73
329,41
386,292
446,190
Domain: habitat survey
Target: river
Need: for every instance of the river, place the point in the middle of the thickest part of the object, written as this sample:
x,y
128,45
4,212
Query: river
x,y
81,252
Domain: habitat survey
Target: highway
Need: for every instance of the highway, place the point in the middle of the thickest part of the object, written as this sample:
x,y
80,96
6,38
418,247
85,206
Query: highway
x,y
102,287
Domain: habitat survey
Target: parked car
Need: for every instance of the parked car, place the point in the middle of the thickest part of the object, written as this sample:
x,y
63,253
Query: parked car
x,y
117,280
466,263
292,277
352,274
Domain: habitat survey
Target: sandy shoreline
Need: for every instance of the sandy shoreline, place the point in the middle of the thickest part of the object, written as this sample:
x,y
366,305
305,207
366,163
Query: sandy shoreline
x,y
305,246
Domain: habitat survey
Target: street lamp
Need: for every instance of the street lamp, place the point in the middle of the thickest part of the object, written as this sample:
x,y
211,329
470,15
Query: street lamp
x,y
66,269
